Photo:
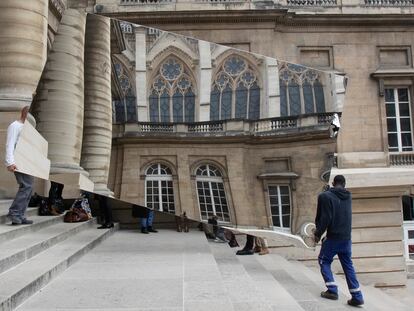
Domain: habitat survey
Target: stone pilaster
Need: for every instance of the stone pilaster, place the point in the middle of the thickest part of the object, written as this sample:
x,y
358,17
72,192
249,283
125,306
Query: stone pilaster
x,y
23,38
97,127
141,72
60,100
205,80
273,109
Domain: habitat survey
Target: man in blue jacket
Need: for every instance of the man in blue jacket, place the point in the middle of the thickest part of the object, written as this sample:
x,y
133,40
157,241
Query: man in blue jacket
x,y
334,215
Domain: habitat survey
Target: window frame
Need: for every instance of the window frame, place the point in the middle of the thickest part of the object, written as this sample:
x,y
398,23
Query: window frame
x,y
278,185
398,118
210,179
159,178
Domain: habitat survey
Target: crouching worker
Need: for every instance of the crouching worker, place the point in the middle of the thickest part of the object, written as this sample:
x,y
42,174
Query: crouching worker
x,y
334,215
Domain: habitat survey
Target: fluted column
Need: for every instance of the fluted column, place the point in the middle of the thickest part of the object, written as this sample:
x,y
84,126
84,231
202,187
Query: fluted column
x,y
97,130
23,47
60,104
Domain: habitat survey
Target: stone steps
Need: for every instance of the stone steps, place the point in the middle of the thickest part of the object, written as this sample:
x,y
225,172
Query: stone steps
x,y
32,255
250,286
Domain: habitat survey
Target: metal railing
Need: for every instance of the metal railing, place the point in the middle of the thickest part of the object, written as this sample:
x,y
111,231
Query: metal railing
x,y
402,159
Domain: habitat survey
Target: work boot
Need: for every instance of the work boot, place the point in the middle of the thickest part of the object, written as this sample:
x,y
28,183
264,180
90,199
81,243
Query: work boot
x,y
26,221
144,230
257,249
151,229
245,252
264,251
329,295
355,302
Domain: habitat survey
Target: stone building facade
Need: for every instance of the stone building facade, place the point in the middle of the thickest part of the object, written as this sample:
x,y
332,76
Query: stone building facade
x,y
368,41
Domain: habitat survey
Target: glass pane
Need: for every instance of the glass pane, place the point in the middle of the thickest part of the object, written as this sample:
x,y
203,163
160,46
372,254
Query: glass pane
x,y
119,111
272,190
283,99
274,200
286,221
411,234
405,124
285,199
391,125
189,106
389,95
254,102
153,106
178,106
285,209
392,140
404,110
226,98
214,104
308,97
274,209
319,96
294,99
284,190
390,108
131,109
276,221
403,95
241,102
165,107
406,139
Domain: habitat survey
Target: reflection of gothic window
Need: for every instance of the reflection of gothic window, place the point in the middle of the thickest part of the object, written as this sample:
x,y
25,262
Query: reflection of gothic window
x,y
301,90
172,98
125,107
235,92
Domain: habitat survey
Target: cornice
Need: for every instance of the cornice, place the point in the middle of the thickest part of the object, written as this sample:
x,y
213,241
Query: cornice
x,y
281,18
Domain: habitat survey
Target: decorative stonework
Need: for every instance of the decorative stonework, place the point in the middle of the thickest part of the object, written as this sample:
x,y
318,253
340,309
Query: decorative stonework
x,y
58,5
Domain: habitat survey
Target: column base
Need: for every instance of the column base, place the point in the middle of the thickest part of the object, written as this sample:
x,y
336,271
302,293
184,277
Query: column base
x,y
57,168
102,189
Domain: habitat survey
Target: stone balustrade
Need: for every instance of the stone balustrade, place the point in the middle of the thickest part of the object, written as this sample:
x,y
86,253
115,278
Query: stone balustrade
x,y
402,159
229,127
385,3
309,3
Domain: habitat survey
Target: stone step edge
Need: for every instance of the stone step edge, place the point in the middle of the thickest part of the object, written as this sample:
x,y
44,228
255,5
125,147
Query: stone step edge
x,y
23,229
16,299
31,211
21,256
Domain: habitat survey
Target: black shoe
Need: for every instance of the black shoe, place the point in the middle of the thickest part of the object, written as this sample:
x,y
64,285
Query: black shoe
x,y
106,226
26,221
245,252
355,303
329,295
144,230
151,229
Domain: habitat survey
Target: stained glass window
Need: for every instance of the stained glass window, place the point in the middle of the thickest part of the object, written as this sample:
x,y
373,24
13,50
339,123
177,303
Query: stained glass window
x,y
235,92
172,96
301,90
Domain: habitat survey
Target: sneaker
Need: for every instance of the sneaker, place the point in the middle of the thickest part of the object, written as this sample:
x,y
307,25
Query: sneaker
x,y
15,220
355,303
144,230
217,240
26,221
329,295
151,229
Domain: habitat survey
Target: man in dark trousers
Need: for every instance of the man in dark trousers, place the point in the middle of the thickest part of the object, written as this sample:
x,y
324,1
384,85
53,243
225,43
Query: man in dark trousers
x,y
334,215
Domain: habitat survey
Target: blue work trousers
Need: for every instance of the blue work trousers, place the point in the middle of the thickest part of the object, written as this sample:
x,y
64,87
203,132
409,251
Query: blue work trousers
x,y
147,221
342,248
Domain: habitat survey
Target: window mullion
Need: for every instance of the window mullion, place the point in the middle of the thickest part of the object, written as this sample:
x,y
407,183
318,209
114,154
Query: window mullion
x,y
398,119
279,197
212,197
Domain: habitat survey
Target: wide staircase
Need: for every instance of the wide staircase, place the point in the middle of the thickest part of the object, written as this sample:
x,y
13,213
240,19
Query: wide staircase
x,y
32,255
166,271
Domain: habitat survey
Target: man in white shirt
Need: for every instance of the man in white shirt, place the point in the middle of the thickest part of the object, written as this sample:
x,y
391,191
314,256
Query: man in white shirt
x,y
25,182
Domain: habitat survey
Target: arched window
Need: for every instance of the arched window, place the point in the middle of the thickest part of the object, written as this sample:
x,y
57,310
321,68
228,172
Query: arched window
x,y
159,192
211,194
125,106
172,97
301,90
235,91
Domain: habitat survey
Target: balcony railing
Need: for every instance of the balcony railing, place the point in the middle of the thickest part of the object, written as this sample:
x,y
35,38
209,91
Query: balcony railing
x,y
402,159
234,127
395,3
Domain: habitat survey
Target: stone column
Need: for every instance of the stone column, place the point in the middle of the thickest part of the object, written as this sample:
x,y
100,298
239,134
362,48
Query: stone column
x,y
59,108
205,80
141,72
273,91
23,41
97,126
